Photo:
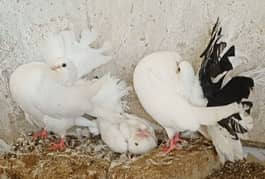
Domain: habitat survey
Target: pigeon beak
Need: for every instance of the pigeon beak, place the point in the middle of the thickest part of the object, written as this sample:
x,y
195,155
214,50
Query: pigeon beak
x,y
56,67
178,68
143,133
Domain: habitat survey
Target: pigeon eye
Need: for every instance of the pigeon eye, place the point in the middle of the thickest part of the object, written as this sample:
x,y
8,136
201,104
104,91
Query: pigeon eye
x,y
135,143
64,65
178,69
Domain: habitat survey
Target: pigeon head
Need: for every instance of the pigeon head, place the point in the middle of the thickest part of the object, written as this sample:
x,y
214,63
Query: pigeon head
x,y
185,68
142,141
185,72
65,70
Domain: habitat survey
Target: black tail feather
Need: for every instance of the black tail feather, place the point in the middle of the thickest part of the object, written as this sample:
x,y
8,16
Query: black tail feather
x,y
215,62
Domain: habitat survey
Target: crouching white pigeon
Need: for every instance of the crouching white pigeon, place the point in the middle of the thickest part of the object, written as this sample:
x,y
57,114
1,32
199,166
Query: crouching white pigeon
x,y
53,93
166,87
127,133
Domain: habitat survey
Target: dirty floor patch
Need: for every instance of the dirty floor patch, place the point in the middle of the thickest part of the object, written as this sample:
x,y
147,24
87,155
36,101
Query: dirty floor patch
x,y
88,157
242,169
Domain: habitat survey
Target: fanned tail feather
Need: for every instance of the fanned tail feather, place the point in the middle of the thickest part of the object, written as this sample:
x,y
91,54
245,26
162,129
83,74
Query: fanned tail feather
x,y
110,94
237,126
216,63
226,147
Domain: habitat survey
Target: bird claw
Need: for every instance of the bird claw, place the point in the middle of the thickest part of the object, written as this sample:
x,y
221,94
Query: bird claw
x,y
57,146
167,149
43,134
172,144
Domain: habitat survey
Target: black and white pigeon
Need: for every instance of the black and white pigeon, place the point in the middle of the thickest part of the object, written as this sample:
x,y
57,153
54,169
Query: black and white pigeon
x,y
170,92
213,69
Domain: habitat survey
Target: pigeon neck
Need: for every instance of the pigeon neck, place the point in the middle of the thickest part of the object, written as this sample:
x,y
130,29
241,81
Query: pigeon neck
x,y
64,78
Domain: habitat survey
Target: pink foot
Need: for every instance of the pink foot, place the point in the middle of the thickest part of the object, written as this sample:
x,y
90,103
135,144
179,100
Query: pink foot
x,y
172,144
57,146
43,134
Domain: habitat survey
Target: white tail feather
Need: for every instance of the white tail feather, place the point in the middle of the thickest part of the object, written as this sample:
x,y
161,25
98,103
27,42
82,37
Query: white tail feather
x,y
242,67
110,94
226,147
211,115
258,74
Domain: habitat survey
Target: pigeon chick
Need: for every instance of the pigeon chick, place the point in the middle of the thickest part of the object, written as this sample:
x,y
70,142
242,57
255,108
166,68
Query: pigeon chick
x,y
127,133
163,84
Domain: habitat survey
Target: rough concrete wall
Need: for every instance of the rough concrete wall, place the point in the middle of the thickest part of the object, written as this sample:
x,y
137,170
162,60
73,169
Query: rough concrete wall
x,y
135,28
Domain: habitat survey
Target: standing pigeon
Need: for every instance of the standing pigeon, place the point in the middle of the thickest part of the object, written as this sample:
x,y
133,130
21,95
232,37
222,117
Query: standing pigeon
x,y
54,94
214,68
164,85
57,97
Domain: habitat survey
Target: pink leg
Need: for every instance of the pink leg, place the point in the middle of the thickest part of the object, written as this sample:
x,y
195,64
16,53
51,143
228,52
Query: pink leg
x,y
58,146
43,134
172,144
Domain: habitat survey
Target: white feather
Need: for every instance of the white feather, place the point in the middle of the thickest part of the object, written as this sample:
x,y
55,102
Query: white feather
x,y
65,45
258,74
91,125
226,147
111,92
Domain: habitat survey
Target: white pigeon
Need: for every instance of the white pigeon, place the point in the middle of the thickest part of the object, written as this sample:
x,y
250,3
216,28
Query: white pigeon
x,y
53,93
57,98
164,85
127,133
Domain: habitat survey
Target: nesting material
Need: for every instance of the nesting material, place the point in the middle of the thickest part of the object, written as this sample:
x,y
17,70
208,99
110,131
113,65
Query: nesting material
x,y
89,157
240,169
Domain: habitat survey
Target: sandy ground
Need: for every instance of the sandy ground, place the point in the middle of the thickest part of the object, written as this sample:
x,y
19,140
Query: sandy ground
x,y
241,169
88,157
